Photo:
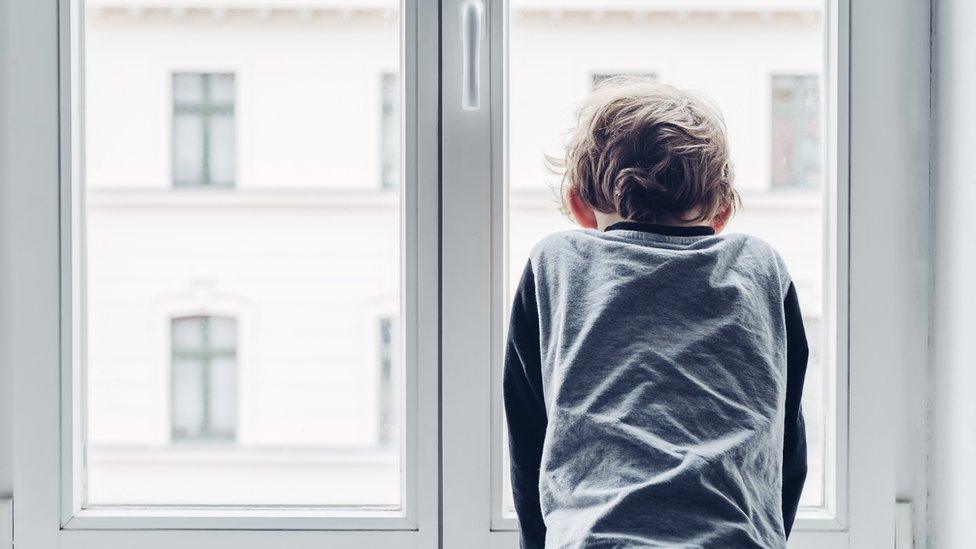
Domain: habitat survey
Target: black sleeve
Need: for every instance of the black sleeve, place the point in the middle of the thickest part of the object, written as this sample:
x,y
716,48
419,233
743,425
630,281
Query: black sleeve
x,y
795,437
525,410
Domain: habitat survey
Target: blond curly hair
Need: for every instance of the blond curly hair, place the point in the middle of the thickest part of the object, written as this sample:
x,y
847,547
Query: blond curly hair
x,y
650,152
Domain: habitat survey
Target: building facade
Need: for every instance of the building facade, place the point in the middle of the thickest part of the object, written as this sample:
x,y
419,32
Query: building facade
x,y
242,218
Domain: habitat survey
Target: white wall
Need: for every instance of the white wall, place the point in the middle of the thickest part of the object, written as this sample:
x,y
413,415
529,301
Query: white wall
x,y
308,100
8,51
307,280
912,396
953,442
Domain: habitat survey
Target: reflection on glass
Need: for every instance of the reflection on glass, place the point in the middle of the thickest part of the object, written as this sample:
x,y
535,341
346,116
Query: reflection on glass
x,y
760,63
242,344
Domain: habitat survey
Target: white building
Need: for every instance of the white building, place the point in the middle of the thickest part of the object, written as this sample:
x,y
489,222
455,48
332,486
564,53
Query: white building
x,y
242,218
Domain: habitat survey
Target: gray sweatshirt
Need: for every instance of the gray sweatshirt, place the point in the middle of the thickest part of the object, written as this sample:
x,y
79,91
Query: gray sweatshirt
x,y
652,384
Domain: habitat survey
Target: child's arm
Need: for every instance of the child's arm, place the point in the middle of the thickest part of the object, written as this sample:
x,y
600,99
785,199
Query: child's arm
x,y
525,410
794,439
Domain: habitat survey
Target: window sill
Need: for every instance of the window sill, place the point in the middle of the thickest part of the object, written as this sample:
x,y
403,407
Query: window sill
x,y
106,198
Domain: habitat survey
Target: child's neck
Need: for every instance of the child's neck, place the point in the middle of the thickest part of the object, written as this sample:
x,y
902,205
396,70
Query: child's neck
x,y
604,220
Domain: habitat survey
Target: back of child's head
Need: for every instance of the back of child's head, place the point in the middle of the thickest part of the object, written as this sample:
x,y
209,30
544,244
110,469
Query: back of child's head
x,y
650,152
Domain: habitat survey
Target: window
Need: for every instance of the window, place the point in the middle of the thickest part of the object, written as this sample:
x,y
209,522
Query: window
x,y
204,150
544,55
286,396
117,262
389,131
388,426
204,374
795,136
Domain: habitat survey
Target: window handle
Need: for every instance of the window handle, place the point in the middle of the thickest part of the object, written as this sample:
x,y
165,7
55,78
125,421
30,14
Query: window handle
x,y
472,33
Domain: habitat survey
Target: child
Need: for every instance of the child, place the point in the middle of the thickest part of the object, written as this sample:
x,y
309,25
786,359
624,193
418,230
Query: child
x,y
654,368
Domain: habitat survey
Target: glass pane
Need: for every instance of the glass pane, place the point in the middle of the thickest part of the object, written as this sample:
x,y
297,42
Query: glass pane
x,y
188,88
795,142
188,398
279,397
188,148
222,333
222,397
188,333
222,89
221,148
751,59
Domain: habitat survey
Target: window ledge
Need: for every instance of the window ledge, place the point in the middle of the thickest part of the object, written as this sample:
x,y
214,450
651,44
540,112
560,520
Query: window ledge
x,y
242,198
232,454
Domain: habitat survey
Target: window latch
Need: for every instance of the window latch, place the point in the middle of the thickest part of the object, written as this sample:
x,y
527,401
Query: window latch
x,y
472,32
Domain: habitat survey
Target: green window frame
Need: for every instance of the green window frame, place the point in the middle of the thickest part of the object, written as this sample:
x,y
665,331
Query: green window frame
x,y
198,388
204,127
795,140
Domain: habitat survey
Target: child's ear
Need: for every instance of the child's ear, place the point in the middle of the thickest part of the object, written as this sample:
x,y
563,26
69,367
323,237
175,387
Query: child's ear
x,y
722,219
582,213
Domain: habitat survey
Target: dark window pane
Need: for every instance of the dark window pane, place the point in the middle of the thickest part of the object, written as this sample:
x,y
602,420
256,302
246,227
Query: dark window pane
x,y
204,140
204,380
795,148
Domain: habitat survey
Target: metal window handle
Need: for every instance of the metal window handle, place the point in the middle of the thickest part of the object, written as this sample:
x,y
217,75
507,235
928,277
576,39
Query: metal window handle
x,y
472,32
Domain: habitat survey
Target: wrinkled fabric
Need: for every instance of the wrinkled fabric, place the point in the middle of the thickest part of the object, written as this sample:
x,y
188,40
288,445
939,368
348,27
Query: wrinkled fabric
x,y
663,376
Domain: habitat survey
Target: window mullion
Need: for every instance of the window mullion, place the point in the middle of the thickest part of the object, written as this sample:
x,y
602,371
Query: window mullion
x,y
206,429
206,119
469,179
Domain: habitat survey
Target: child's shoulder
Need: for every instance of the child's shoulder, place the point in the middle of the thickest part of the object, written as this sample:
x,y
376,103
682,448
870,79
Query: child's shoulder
x,y
750,242
575,241
754,254
754,246
574,238
562,241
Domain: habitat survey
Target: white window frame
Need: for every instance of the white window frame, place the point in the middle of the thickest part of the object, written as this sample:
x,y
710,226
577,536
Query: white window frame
x,y
49,351
859,489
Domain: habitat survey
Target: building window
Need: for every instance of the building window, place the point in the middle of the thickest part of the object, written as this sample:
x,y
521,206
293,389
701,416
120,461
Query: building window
x,y
204,382
389,131
599,77
204,149
387,384
795,146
